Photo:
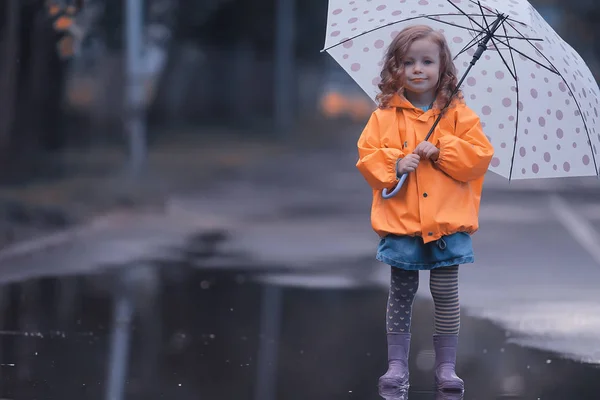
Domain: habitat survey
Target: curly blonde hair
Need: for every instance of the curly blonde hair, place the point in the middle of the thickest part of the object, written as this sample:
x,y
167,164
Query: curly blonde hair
x,y
392,72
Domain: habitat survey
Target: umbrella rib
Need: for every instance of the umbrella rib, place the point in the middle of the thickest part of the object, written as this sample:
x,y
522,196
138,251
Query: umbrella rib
x,y
587,131
455,25
487,26
466,15
469,45
482,29
512,161
473,42
512,73
478,31
486,29
536,49
409,19
518,38
431,17
497,12
553,70
585,125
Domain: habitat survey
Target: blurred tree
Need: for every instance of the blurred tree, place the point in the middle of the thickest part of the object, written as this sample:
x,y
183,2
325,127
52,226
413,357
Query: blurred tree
x,y
185,18
9,68
35,39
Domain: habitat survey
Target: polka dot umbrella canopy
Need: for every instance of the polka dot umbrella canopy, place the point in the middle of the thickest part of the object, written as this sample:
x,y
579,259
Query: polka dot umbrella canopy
x,y
536,97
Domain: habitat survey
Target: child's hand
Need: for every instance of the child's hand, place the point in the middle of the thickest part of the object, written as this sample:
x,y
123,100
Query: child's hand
x,y
408,164
427,150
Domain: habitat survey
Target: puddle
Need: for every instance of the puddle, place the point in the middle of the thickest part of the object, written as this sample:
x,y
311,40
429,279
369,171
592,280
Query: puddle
x,y
200,334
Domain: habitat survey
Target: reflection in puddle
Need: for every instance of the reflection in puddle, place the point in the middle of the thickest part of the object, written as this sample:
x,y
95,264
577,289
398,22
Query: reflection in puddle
x,y
404,395
180,333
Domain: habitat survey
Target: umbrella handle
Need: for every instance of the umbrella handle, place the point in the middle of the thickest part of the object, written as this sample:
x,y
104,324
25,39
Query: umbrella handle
x,y
394,192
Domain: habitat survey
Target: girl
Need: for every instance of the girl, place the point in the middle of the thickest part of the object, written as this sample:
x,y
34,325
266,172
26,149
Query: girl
x,y
428,224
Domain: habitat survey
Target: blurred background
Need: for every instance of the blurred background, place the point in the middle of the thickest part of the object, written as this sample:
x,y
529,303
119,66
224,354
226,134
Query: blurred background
x,y
181,218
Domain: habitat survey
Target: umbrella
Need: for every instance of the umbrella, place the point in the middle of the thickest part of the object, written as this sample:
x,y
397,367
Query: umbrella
x,y
536,97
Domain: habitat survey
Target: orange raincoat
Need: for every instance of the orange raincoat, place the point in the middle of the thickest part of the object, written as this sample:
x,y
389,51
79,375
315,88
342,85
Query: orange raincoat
x,y
440,198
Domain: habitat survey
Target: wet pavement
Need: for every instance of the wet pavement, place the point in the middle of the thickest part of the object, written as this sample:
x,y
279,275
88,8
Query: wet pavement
x,y
233,334
246,290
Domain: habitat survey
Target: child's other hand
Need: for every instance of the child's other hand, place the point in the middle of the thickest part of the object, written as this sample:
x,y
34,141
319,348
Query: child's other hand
x,y
408,164
427,150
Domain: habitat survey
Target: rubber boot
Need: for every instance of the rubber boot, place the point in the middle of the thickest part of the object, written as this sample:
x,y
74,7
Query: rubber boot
x,y
396,376
445,363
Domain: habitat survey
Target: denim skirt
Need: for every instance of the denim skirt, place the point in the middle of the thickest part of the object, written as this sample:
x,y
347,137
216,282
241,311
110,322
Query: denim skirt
x,y
410,253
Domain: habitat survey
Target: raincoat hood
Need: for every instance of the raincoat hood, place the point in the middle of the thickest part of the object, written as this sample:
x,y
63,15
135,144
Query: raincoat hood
x,y
398,101
401,102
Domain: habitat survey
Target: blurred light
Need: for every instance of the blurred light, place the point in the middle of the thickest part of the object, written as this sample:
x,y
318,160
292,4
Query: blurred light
x,y
332,104
53,10
66,47
80,92
335,105
63,23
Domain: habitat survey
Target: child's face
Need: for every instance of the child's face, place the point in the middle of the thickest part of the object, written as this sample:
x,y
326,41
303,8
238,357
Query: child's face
x,y
422,67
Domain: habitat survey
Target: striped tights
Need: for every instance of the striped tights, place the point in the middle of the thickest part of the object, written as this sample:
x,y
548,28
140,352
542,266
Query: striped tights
x,y
443,284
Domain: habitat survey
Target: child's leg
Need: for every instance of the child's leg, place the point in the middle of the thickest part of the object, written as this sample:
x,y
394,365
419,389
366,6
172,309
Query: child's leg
x,y
403,287
443,283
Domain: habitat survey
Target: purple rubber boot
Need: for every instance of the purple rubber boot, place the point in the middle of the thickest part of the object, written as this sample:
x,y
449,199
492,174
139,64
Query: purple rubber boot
x,y
396,376
445,363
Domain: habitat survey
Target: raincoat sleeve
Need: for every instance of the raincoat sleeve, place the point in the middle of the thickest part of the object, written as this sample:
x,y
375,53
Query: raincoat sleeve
x,y
466,155
377,164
